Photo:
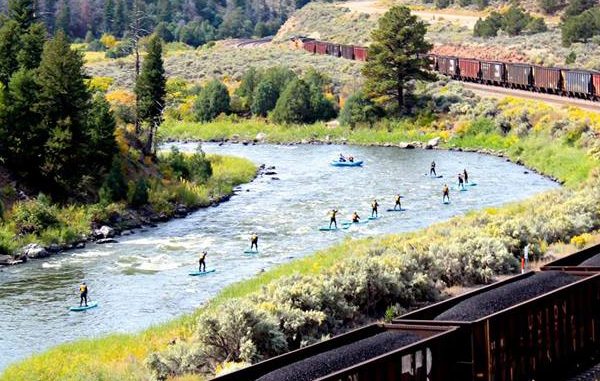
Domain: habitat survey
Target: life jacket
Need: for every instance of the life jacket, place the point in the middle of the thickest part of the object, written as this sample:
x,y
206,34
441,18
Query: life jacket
x,y
397,198
82,288
254,238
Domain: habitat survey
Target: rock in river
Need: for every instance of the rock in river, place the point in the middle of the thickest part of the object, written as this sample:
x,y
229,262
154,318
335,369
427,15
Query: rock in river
x,y
33,250
106,240
104,232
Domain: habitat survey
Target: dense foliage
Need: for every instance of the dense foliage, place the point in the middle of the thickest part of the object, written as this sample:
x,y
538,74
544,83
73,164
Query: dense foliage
x,y
581,27
396,57
514,21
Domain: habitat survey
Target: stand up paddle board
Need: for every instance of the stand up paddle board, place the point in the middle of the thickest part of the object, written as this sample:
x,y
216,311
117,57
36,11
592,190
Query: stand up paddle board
x,y
395,210
83,308
374,218
327,228
472,184
250,251
200,273
446,202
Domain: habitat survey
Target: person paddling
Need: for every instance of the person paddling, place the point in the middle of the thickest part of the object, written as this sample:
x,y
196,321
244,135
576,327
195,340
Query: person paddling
x,y
332,219
466,176
461,183
202,262
355,218
398,204
254,241
342,159
374,206
432,169
83,294
446,193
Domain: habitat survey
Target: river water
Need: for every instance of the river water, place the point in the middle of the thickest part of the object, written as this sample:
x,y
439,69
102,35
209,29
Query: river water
x,y
143,280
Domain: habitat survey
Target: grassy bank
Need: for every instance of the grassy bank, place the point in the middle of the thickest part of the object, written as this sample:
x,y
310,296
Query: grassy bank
x,y
42,222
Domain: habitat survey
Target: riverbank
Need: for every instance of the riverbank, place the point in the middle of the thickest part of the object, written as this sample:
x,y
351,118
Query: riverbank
x,y
75,226
404,270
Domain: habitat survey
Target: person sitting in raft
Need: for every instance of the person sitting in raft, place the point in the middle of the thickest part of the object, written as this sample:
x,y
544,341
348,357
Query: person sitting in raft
x,y
355,218
374,206
351,159
342,159
398,204
466,176
332,219
432,170
83,292
461,183
202,262
446,193
254,241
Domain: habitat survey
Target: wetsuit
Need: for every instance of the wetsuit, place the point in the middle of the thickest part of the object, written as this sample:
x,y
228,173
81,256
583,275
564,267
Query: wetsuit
x,y
432,170
466,176
254,242
83,291
202,263
374,206
355,218
446,193
460,182
397,204
332,220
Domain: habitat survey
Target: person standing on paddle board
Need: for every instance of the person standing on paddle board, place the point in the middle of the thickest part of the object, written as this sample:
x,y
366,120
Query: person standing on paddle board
x,y
398,204
461,183
355,218
202,262
332,220
446,193
466,176
254,241
83,292
374,206
432,170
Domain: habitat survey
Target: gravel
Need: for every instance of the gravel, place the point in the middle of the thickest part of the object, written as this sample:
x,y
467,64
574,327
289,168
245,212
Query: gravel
x,y
342,357
593,261
506,296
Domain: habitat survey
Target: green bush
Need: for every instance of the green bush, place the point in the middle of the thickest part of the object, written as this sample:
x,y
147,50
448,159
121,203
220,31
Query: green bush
x,y
293,106
114,187
32,217
359,110
137,195
213,100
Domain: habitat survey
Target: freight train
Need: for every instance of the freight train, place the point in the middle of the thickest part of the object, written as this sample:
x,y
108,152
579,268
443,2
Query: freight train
x,y
551,80
540,326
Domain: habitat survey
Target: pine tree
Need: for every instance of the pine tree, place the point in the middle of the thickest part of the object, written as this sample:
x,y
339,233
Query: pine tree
x,y
264,98
109,14
213,100
150,90
293,106
120,18
164,12
396,56
10,44
32,45
23,12
63,18
101,132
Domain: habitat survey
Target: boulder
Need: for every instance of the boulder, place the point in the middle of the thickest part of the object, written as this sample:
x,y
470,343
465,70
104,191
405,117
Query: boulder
x,y
433,143
106,240
270,173
79,245
54,248
260,137
406,145
6,260
104,232
34,250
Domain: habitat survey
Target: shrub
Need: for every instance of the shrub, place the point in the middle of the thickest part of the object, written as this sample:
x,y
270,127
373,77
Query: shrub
x,y
581,241
570,58
108,40
293,106
32,217
537,25
114,187
359,109
550,6
213,100
137,195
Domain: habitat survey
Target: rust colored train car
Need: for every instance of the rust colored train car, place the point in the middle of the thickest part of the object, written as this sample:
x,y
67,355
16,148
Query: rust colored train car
x,y
309,45
321,47
587,260
428,358
469,69
596,85
448,66
347,51
360,53
537,339
334,50
519,76
577,83
547,79
492,72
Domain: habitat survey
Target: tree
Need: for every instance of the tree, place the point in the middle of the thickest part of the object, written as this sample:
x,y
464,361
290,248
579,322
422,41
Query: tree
x,y
10,44
32,45
577,7
537,25
114,187
151,90
359,109
109,14
264,98
23,12
514,20
571,58
248,84
442,3
162,30
213,100
101,132
396,56
550,6
63,18
293,106
120,18
578,28
481,4
485,28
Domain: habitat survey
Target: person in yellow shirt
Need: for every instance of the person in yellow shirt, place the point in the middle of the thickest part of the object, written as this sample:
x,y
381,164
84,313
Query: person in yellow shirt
x,y
332,219
398,204
254,241
374,206
445,193
83,292
202,262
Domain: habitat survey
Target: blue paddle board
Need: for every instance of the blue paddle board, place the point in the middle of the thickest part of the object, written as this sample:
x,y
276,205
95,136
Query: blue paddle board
x,y
200,273
374,218
327,228
472,184
446,202
250,251
395,210
84,308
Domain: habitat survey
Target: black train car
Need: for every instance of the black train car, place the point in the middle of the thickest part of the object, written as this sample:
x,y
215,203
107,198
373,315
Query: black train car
x,y
448,66
347,51
519,76
547,79
492,72
587,260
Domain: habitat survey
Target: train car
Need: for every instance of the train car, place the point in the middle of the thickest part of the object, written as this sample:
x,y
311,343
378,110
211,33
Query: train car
x,y
469,69
448,66
347,51
426,355
360,53
321,47
540,337
519,76
431,60
577,83
547,79
587,260
596,85
492,72
309,45
334,50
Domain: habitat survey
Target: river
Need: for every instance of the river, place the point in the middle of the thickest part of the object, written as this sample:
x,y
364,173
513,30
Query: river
x,y
143,279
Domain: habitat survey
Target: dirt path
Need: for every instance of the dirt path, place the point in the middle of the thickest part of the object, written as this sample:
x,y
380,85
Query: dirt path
x,y
501,92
